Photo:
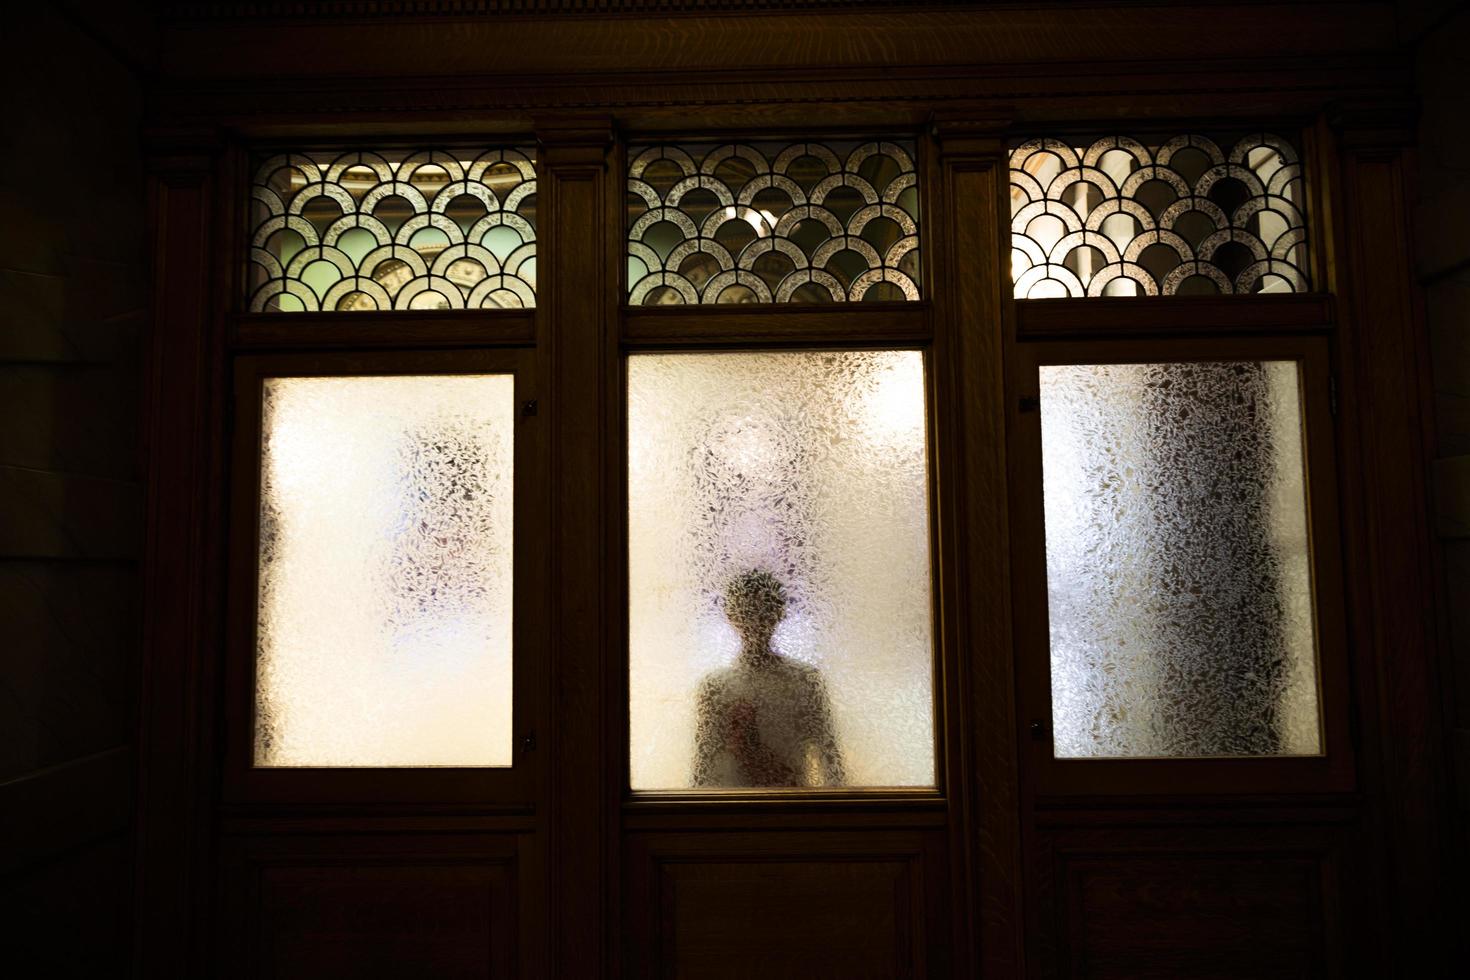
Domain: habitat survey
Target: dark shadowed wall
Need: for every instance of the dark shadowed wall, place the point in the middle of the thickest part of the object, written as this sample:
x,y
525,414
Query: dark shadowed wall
x,y
73,287
1441,35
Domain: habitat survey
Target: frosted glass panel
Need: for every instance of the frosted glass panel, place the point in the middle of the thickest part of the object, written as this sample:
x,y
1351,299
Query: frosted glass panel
x,y
778,531
384,629
1178,579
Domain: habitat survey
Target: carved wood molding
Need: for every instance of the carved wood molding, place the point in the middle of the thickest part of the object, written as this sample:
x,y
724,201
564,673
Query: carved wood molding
x,y
207,10
1385,124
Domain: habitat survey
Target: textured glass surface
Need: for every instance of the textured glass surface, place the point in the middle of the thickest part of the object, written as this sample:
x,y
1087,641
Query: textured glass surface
x,y
1176,216
783,492
384,617
393,230
773,223
1178,579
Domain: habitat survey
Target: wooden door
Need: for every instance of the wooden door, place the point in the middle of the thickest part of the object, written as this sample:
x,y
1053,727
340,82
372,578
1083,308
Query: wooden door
x,y
1012,860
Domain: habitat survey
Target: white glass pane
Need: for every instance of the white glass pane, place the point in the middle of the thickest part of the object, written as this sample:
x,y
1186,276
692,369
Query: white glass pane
x,y
785,492
1178,577
384,622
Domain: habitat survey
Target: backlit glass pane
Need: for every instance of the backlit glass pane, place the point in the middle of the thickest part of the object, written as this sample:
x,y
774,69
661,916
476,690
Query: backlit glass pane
x,y
1178,575
384,616
393,230
779,576
1183,215
773,222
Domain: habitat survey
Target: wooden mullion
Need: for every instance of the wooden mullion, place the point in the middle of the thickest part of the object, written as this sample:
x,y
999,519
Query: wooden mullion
x,y
1388,542
1119,317
575,183
404,331
842,324
972,299
788,817
182,431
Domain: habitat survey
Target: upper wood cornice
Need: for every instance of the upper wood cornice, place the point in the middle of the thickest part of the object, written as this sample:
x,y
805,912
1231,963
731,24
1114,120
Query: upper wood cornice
x,y
207,10
681,65
214,10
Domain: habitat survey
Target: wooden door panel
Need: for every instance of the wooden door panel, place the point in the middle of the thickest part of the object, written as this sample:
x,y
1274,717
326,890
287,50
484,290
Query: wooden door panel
x,y
400,921
783,904
1196,916
372,906
1189,903
786,919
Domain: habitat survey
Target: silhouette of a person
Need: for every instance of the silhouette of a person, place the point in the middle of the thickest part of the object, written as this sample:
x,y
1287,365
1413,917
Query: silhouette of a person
x,y
766,720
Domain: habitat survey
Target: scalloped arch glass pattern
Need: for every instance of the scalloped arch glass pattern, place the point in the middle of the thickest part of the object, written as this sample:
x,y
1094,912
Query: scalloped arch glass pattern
x,y
805,222
1180,216
393,230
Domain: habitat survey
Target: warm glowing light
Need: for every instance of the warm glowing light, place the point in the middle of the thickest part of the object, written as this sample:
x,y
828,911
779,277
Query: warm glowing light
x,y
1178,564
384,629
892,408
812,465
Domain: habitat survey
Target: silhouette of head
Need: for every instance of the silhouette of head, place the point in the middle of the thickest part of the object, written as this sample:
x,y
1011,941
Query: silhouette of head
x,y
755,601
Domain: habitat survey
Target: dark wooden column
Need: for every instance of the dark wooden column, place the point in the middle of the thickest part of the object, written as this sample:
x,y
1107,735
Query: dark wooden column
x,y
1385,449
175,757
972,313
575,333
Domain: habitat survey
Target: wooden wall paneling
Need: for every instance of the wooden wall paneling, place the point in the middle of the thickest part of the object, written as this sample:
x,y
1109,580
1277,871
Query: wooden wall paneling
x,y
973,312
573,327
175,750
1385,427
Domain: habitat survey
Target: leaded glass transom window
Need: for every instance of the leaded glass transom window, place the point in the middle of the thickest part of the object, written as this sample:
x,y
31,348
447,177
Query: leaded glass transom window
x,y
825,222
1180,216
393,230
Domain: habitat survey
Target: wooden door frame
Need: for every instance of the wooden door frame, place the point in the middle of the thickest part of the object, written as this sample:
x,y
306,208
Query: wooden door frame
x,y
504,790
226,86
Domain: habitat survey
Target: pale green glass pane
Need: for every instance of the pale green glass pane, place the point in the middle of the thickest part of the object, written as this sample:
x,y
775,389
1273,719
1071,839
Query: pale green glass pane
x,y
392,229
384,612
811,467
1178,574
